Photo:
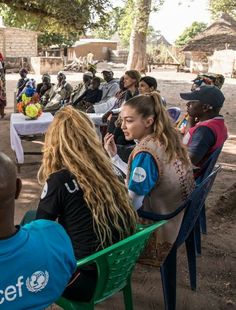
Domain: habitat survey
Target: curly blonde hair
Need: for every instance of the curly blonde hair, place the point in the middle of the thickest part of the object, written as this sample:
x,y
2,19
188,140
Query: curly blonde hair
x,y
71,143
163,128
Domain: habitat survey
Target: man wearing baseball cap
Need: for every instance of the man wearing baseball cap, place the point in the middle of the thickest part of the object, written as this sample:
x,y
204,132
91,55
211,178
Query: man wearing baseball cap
x,y
207,131
111,87
109,90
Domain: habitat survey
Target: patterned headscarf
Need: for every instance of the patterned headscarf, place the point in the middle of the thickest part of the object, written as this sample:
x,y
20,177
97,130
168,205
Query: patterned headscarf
x,y
209,79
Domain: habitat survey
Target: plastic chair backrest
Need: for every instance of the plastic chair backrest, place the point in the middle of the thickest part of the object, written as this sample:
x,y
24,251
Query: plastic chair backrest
x,y
116,263
192,207
209,165
195,203
174,113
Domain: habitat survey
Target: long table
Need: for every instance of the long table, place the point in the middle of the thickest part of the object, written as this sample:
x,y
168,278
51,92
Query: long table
x,y
20,126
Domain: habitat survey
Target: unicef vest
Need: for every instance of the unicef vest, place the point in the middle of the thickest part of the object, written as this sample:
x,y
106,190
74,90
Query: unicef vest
x,y
174,184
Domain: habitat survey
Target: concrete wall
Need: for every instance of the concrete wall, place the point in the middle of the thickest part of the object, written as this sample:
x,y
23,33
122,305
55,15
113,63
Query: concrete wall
x,y
223,62
16,42
13,64
196,61
119,56
99,49
51,65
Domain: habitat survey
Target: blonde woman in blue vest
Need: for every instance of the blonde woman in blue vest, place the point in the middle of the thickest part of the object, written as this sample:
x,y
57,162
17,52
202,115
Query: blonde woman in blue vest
x,y
158,174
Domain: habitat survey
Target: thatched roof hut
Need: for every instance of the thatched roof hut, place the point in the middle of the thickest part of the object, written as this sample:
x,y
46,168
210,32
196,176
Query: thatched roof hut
x,y
158,40
219,35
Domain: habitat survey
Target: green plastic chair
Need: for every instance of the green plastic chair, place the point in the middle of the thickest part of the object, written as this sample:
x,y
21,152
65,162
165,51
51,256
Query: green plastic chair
x,y
115,265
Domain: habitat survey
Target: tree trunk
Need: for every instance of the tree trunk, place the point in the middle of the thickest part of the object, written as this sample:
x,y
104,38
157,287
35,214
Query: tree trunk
x,y
137,51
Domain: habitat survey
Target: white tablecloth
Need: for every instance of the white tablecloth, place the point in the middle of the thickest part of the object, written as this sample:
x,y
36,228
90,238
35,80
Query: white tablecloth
x,y
96,118
20,126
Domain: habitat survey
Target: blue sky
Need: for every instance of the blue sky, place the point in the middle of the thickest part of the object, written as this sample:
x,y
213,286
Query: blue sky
x,y
172,18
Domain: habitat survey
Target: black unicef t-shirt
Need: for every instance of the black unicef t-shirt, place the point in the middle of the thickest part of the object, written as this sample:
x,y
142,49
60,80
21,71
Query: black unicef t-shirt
x,y
62,199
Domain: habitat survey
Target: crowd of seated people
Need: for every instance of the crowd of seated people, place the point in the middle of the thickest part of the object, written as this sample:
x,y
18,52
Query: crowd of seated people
x,y
81,190
108,95
51,96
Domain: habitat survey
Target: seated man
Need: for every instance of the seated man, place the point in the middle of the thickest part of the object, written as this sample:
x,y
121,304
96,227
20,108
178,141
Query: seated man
x,y
207,130
111,87
81,87
90,96
59,94
201,80
114,110
36,260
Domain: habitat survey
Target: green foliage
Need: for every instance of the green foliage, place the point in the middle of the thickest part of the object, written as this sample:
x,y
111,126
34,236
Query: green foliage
x,y
125,23
110,25
74,15
18,19
57,20
189,33
223,6
60,21
48,39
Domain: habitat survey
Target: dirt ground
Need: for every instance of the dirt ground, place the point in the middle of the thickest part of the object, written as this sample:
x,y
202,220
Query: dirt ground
x,y
216,268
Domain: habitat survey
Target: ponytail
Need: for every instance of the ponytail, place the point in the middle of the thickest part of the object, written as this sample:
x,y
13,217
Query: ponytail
x,y
163,128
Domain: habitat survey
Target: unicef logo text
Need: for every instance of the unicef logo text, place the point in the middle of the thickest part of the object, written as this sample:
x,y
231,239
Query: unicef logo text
x,y
139,175
37,281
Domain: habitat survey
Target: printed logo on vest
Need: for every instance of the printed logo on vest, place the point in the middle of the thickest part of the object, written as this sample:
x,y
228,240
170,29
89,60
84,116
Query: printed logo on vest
x,y
139,175
44,191
37,281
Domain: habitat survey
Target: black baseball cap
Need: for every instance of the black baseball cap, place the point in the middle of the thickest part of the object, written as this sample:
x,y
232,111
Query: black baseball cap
x,y
209,94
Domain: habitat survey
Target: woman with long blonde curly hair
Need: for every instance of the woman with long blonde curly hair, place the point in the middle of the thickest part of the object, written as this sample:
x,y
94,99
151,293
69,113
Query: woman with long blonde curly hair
x,y
159,173
82,191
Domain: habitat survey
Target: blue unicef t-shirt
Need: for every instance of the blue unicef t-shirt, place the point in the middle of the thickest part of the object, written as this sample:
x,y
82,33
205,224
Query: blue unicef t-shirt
x,y
36,264
144,174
